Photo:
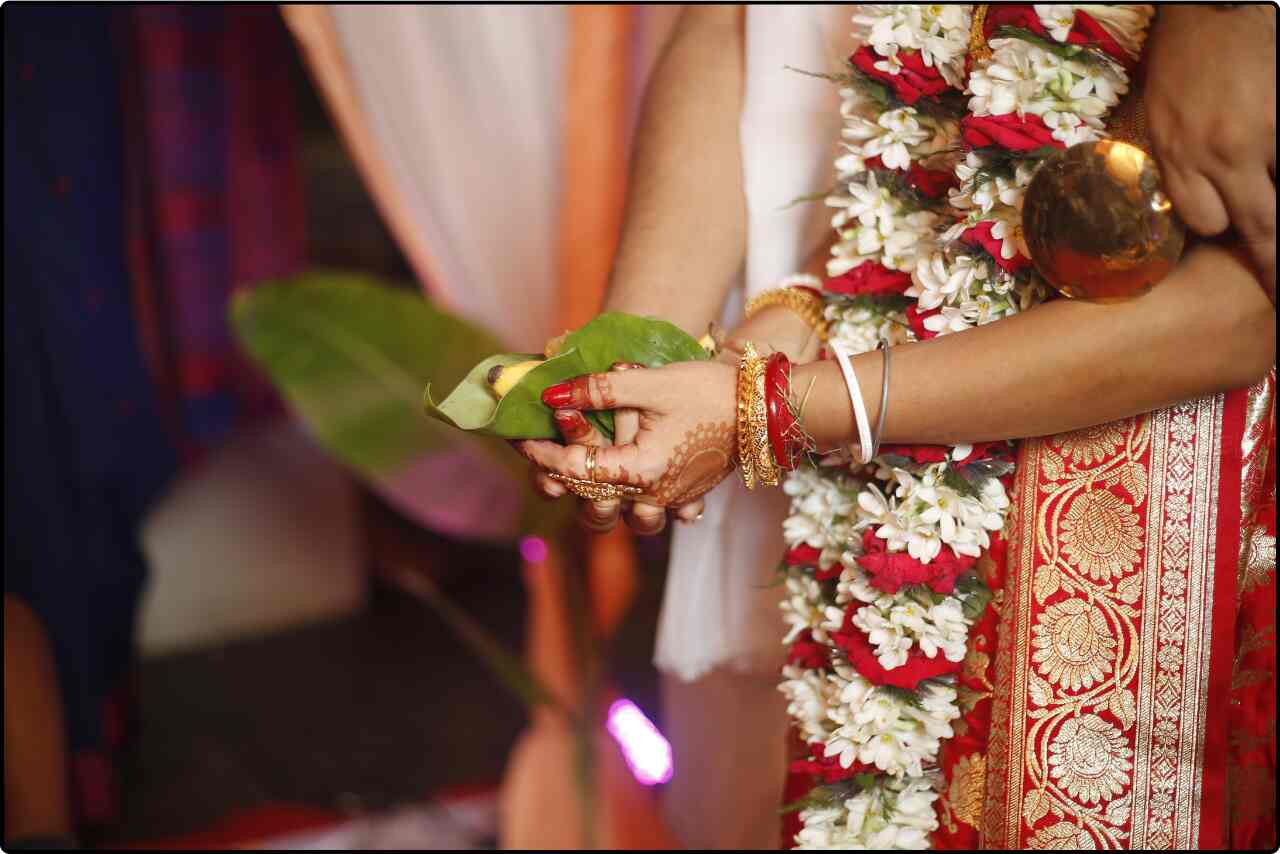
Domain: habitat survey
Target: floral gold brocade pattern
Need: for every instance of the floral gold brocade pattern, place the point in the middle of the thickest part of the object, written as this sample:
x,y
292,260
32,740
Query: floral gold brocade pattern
x,y
1101,685
1251,747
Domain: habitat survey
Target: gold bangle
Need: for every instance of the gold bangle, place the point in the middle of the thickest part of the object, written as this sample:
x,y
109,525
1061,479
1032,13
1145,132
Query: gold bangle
x,y
755,454
805,303
746,460
766,467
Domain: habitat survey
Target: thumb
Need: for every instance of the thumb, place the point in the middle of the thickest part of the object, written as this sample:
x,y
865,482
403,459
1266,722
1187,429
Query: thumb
x,y
631,388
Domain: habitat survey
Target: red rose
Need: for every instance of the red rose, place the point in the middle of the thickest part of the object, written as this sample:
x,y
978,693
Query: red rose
x,y
806,555
1025,133
870,278
931,182
890,571
916,319
914,79
807,653
1012,15
980,235
827,768
917,668
802,555
921,454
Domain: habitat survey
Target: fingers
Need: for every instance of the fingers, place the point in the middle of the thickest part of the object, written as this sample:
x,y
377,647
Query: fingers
x,y
570,460
690,512
576,429
545,486
1251,202
621,465
646,519
626,422
1195,199
603,391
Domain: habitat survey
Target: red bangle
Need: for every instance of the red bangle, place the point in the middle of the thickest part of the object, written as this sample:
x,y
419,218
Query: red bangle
x,y
781,421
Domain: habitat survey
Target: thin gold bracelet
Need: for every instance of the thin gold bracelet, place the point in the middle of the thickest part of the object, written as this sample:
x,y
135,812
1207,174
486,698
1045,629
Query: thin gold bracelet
x,y
805,303
746,387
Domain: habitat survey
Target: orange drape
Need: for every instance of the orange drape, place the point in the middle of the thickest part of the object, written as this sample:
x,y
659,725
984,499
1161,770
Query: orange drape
x,y
597,116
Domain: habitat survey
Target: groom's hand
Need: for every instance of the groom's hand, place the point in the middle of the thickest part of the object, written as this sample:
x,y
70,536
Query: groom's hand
x,y
1211,106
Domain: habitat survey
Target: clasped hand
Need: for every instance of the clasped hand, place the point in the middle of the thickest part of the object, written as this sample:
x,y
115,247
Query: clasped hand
x,y
675,438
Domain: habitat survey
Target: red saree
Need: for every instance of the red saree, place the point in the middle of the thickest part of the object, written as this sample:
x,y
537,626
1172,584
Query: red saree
x,y
1127,697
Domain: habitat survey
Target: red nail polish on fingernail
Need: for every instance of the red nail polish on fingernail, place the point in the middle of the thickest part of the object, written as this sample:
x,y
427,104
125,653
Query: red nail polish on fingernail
x,y
571,423
558,395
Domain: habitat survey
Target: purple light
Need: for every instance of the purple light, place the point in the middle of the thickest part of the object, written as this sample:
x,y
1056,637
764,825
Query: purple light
x,y
647,752
533,549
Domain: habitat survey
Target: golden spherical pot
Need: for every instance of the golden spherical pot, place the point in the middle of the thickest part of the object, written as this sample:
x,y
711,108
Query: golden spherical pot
x,y
1097,224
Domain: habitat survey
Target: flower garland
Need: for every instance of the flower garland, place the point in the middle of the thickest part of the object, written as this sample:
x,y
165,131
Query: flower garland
x,y
947,110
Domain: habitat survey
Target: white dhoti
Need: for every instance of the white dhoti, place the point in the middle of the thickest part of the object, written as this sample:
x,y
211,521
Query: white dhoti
x,y
719,636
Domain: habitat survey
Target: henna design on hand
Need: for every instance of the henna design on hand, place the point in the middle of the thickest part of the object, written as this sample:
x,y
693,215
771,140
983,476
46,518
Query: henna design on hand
x,y
703,459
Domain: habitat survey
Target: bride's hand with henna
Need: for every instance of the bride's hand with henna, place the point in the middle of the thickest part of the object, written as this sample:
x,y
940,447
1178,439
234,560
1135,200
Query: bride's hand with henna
x,y
684,443
602,516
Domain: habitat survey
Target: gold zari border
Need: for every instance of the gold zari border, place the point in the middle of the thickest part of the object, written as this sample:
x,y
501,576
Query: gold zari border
x,y
1098,724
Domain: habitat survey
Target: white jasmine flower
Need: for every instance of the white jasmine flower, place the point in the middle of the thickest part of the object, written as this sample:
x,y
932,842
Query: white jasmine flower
x,y
940,32
1011,82
802,607
890,137
1068,128
939,280
946,631
810,697
1057,18
1022,77
949,320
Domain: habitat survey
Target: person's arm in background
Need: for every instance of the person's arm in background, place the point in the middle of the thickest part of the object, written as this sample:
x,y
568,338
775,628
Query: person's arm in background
x,y
684,229
1211,110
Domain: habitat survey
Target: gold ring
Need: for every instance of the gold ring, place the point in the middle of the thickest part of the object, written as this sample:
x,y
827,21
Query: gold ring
x,y
592,450
593,491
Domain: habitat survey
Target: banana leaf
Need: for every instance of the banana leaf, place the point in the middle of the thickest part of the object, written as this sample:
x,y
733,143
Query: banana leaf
x,y
595,347
351,356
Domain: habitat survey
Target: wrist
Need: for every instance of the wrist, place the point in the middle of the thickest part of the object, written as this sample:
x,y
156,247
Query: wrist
x,y
823,406
778,329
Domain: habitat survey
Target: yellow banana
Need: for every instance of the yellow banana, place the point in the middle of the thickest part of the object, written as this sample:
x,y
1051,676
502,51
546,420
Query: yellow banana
x,y
503,378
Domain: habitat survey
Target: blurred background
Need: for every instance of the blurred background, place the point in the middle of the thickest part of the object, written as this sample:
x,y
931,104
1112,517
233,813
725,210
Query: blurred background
x,y
211,497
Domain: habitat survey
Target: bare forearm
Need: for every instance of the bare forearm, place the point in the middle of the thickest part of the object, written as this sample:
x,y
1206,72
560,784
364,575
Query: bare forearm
x,y
1064,365
684,231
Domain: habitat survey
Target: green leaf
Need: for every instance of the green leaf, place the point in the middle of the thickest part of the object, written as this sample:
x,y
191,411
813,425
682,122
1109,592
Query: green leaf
x,y
976,596
351,355
619,337
594,348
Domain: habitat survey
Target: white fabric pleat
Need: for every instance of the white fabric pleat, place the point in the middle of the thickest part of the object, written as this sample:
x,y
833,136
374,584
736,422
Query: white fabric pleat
x,y
721,603
467,106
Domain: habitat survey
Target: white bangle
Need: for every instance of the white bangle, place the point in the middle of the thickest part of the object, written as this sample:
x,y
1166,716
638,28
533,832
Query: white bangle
x,y
801,280
842,354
